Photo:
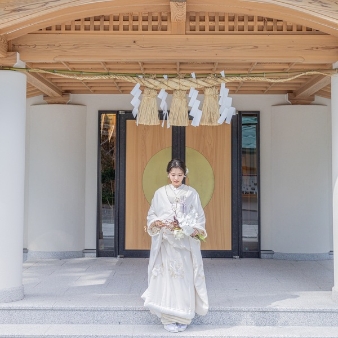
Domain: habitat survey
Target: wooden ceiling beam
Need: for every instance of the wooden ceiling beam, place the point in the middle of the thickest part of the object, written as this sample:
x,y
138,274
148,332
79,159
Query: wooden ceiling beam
x,y
74,47
45,86
306,93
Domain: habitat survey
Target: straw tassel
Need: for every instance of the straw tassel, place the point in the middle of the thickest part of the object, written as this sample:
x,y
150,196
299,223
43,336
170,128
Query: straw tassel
x,y
179,109
210,109
148,111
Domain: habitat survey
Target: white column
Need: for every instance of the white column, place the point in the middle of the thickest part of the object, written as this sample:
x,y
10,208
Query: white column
x,y
334,112
12,174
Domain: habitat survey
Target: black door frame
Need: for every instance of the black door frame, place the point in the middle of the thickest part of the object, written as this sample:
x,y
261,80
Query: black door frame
x,y
242,253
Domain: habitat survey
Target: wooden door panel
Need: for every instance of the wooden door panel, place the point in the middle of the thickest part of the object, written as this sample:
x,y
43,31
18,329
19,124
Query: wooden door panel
x,y
214,143
142,143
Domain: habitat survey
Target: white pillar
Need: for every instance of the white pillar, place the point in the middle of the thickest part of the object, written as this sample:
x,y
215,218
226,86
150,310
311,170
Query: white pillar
x,y
334,113
12,174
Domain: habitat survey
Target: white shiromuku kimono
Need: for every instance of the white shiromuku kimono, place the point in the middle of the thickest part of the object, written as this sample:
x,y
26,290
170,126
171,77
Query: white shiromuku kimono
x,y
176,283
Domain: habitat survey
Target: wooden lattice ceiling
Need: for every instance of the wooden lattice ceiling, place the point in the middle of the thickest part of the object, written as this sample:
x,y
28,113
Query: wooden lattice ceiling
x,y
175,41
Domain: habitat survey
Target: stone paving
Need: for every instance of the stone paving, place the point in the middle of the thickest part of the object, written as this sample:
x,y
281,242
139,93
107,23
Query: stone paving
x,y
234,283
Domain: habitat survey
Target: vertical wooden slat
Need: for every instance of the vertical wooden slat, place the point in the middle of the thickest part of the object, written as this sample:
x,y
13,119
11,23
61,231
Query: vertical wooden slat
x,y
120,22
246,19
197,27
130,22
111,22
159,22
226,22
102,23
206,21
216,22
140,19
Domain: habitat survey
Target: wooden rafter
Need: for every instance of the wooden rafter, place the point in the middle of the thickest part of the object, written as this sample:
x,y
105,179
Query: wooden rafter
x,y
117,86
115,83
66,65
72,47
104,66
313,86
87,86
286,70
309,89
249,71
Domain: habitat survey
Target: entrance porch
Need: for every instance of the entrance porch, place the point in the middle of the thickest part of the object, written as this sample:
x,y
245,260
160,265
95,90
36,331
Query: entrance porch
x,y
100,297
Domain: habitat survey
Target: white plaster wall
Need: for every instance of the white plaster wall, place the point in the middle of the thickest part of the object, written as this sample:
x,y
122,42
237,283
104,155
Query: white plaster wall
x,y
262,103
95,103
300,153
56,178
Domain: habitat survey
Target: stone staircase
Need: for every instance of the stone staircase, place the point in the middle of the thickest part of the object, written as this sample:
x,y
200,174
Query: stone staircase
x,y
135,322
97,298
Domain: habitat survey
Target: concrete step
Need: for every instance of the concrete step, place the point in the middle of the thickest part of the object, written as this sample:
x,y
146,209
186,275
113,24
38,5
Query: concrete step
x,y
140,316
138,331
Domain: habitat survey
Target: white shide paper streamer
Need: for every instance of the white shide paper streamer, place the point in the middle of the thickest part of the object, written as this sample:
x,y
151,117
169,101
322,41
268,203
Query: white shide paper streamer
x,y
195,112
163,105
136,92
225,102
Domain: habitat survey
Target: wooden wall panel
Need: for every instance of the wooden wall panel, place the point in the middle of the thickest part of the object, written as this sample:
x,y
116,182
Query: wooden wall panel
x,y
143,142
214,143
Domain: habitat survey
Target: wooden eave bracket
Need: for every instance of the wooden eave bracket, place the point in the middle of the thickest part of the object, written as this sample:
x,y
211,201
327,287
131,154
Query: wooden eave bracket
x,y
45,86
7,59
65,98
178,11
3,46
306,93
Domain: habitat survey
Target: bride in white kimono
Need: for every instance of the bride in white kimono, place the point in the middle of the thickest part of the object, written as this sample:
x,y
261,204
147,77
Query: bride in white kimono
x,y
176,284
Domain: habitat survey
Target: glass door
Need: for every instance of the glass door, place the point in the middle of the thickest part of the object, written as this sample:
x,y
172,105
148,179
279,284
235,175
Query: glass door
x,y
250,213
106,185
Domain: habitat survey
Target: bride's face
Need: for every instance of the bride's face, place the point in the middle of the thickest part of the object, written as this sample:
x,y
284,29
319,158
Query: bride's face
x,y
176,176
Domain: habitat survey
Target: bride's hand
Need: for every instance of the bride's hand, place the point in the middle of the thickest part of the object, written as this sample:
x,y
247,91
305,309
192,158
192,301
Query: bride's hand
x,y
195,233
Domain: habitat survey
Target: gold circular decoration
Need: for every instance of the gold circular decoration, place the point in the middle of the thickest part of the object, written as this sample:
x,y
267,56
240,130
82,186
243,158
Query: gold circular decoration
x,y
155,175
200,176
